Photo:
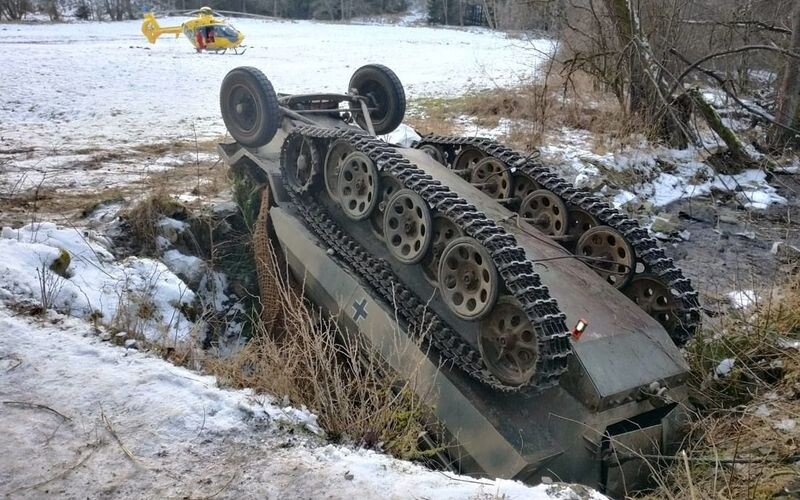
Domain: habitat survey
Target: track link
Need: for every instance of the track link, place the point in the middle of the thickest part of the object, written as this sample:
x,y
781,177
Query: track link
x,y
646,248
553,337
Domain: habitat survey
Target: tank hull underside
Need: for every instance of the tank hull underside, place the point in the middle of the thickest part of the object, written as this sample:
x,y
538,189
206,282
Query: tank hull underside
x,y
560,432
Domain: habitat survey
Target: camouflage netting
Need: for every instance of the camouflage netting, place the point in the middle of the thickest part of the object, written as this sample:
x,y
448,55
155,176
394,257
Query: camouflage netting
x,y
266,262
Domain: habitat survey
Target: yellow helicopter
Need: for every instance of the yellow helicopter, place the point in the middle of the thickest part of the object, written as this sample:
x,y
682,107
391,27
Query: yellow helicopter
x,y
204,31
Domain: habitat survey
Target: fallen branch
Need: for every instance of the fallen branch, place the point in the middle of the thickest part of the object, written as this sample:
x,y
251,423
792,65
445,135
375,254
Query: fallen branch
x,y
19,362
25,404
113,433
224,487
14,151
728,136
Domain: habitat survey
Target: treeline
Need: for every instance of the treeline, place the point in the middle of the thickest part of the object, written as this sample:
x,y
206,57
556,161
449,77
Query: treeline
x,y
116,10
544,15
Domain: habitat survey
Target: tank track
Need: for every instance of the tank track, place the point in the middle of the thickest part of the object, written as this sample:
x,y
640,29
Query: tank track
x,y
514,269
646,248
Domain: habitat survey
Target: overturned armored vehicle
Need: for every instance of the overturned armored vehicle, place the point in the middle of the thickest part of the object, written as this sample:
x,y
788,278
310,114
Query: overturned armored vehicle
x,y
550,321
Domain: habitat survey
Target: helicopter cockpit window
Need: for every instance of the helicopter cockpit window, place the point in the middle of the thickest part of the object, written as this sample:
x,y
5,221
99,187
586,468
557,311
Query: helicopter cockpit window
x,y
226,32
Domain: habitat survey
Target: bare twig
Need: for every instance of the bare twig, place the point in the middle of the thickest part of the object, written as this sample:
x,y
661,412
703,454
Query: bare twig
x,y
739,24
483,483
15,358
224,487
26,404
111,430
738,50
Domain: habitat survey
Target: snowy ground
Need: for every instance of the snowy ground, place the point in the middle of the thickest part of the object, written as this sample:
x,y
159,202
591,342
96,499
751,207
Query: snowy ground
x,y
75,90
81,417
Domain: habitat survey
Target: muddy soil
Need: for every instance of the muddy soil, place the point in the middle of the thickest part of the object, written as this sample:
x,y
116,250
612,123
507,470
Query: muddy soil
x,y
731,248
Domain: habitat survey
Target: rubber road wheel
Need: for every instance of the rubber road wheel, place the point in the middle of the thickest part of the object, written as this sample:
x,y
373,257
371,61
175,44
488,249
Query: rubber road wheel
x,y
249,106
385,92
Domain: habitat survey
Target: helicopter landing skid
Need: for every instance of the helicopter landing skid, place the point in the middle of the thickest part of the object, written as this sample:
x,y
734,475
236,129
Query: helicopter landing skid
x,y
235,50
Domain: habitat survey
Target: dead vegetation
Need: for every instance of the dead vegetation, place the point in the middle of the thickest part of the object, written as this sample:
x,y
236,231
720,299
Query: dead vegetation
x,y
145,217
195,175
308,358
531,114
745,439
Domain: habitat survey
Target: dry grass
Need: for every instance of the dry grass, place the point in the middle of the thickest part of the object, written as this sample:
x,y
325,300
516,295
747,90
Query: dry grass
x,y
745,441
143,219
198,177
536,111
308,358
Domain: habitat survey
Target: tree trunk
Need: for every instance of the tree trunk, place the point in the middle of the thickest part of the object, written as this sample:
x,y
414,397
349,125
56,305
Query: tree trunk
x,y
788,104
737,157
647,92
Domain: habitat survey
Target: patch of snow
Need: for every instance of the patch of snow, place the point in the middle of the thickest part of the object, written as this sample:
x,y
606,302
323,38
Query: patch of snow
x,y
622,198
212,291
403,135
791,168
184,265
786,424
471,128
189,437
789,344
762,411
742,299
724,367
571,151
137,293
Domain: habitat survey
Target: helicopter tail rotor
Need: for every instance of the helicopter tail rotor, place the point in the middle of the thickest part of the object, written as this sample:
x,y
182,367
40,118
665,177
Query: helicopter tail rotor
x,y
152,30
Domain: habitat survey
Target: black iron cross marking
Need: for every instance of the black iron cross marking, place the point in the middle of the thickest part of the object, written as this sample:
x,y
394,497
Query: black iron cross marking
x,y
360,310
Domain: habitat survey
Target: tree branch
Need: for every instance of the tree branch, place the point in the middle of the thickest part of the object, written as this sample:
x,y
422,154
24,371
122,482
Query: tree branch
x,y
740,24
737,50
723,85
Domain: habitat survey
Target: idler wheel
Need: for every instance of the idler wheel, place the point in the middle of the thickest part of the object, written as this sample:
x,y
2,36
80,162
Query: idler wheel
x,y
434,152
468,157
358,186
524,185
493,177
655,298
388,187
508,344
336,155
407,226
612,256
468,279
444,231
545,211
579,221
302,163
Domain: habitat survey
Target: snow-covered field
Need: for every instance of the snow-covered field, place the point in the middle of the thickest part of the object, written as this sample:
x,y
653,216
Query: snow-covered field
x,y
70,89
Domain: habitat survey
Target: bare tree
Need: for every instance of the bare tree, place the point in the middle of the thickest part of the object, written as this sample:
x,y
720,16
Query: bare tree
x,y
14,10
788,100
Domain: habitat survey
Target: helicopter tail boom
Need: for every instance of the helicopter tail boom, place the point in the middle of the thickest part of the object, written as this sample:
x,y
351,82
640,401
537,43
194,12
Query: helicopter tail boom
x,y
152,30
